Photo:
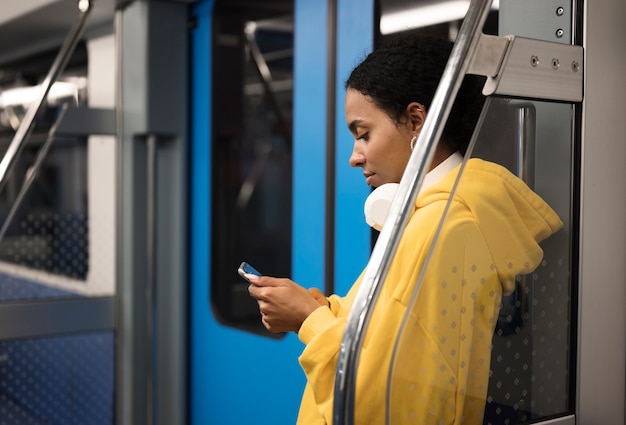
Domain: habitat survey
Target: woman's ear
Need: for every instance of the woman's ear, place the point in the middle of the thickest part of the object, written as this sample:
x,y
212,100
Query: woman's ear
x,y
417,115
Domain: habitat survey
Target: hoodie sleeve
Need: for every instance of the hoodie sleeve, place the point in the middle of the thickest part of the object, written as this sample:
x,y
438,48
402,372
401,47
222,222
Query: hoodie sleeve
x,y
322,333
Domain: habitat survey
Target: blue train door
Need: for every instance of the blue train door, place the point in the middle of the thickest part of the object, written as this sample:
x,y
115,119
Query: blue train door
x,y
271,186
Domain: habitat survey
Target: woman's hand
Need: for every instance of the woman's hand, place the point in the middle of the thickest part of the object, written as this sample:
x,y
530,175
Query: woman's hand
x,y
284,304
319,296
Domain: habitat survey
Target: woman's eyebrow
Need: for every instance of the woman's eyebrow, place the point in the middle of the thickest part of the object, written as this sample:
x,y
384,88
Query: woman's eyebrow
x,y
354,124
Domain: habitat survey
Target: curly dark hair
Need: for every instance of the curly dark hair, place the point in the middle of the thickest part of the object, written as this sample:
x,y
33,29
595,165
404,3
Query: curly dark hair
x,y
407,68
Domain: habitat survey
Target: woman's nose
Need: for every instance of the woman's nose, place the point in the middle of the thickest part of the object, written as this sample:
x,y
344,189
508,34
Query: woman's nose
x,y
357,159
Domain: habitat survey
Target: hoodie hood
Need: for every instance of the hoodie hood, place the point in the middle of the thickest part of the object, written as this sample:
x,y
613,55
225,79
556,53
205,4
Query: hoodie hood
x,y
512,217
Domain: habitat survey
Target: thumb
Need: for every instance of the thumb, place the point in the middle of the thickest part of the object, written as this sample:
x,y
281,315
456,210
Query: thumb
x,y
319,296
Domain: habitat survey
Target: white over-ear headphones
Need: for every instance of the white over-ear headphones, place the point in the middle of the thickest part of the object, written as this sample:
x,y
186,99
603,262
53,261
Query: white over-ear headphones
x,y
378,203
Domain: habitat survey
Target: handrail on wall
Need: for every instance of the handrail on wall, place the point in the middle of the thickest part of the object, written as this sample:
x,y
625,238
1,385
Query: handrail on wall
x,y
26,126
459,62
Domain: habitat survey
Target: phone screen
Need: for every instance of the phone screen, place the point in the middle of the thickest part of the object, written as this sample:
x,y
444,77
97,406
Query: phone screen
x,y
245,268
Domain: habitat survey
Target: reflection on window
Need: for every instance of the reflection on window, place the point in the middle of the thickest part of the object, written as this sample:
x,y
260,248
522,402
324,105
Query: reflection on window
x,y
49,229
45,223
251,152
60,228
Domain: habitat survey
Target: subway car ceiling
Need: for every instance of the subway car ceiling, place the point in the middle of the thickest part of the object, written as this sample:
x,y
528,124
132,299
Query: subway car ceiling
x,y
32,31
31,27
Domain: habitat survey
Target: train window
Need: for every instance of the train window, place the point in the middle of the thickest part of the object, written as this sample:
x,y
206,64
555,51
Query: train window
x,y
46,229
44,224
251,151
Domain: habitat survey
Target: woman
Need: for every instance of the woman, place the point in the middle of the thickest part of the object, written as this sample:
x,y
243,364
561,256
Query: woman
x,y
491,234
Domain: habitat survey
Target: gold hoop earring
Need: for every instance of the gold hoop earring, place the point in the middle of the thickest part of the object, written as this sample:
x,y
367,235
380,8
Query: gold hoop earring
x,y
412,142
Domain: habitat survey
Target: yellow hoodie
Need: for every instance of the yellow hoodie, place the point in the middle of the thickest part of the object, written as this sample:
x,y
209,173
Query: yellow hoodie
x,y
440,370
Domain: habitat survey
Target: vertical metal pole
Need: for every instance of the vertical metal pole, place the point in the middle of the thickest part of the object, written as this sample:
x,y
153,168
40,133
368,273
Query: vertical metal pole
x,y
389,238
151,53
525,144
151,293
331,178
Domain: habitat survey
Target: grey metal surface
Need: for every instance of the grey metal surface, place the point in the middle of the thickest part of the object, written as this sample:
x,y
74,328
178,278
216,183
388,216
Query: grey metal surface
x,y
539,70
508,137
551,287
549,20
525,143
600,369
152,100
602,292
151,282
87,121
488,57
54,317
30,28
388,240
565,420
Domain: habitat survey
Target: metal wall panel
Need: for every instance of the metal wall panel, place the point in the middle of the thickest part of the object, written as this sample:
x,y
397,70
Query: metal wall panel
x,y
152,244
602,317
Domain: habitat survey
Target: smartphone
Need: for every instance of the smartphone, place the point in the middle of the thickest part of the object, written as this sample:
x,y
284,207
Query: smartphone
x,y
245,268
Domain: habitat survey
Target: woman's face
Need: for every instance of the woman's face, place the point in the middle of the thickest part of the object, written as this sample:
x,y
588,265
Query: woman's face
x,y
381,146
